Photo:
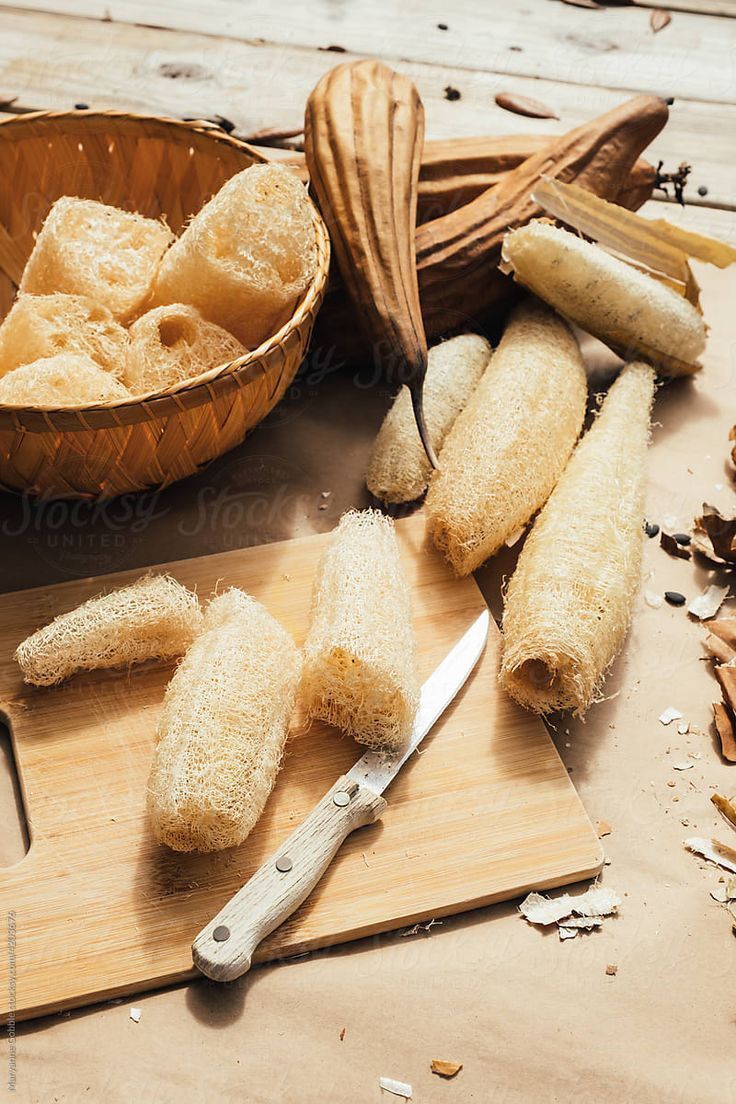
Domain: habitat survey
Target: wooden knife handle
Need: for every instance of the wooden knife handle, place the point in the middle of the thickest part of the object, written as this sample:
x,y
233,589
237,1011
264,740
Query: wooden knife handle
x,y
224,948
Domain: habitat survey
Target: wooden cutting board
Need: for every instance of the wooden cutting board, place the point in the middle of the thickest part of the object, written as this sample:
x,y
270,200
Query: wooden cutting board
x,y
485,812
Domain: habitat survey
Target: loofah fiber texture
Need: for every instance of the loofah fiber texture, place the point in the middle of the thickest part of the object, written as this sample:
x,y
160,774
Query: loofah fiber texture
x,y
398,470
359,657
173,343
627,309
569,601
510,444
87,248
223,728
153,618
247,257
43,325
67,379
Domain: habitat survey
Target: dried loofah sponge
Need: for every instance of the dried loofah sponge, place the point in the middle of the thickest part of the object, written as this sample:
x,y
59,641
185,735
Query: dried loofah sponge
x,y
43,325
87,248
173,343
67,379
627,309
359,657
248,255
569,601
398,470
223,728
509,446
153,618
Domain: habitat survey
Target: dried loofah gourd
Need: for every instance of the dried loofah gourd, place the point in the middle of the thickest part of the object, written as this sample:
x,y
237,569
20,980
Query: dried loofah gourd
x,y
87,248
510,444
359,657
43,325
248,255
153,618
173,343
627,309
398,470
223,728
67,379
569,601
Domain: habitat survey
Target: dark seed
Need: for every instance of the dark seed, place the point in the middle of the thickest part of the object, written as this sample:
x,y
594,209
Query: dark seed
x,y
702,190
451,93
682,538
81,107
674,598
651,529
442,27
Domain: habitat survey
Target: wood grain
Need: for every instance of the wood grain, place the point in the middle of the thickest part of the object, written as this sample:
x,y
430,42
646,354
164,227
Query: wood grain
x,y
485,813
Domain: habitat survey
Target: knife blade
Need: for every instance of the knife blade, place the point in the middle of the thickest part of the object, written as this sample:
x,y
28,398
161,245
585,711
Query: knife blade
x,y
224,948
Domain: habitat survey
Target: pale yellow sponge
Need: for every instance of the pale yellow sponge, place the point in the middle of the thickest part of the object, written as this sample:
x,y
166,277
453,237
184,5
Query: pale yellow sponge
x,y
247,257
398,470
359,657
67,379
153,618
569,602
87,248
173,343
510,444
43,325
222,731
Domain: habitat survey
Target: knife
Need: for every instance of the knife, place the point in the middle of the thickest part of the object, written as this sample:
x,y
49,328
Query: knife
x,y
224,948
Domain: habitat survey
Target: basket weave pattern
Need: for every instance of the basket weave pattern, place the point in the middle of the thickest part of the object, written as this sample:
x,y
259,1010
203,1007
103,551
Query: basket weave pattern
x,y
157,167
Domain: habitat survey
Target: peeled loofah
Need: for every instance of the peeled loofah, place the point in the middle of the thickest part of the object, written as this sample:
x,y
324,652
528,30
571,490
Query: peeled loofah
x,y
627,309
153,618
359,657
173,343
43,325
398,470
223,728
569,601
87,248
510,445
248,255
66,379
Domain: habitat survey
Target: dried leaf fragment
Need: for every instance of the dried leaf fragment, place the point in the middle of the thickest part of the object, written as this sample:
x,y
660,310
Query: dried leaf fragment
x,y
727,678
396,1088
671,546
707,604
659,19
596,901
525,105
714,851
724,728
715,535
725,629
669,715
718,649
603,828
444,1068
726,807
611,970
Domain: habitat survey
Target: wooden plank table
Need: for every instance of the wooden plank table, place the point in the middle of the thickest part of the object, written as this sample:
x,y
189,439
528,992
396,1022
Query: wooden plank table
x,y
530,1018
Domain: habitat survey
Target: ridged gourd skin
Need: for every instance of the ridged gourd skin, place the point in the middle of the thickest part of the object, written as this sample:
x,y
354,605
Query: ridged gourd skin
x,y
510,444
66,379
173,343
40,326
568,604
629,310
360,654
223,727
398,470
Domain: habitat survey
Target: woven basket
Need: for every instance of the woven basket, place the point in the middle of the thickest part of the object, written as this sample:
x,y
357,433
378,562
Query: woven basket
x,y
156,167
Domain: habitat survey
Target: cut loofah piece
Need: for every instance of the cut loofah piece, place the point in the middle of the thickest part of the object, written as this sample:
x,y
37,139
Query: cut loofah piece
x,y
173,343
43,325
248,255
627,309
87,248
67,379
223,728
398,470
510,445
569,601
153,618
359,657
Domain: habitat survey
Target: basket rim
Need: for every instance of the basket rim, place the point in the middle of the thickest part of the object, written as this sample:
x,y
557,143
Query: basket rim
x,y
146,403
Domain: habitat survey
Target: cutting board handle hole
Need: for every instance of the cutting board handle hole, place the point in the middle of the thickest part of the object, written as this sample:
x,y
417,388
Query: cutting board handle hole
x,y
14,834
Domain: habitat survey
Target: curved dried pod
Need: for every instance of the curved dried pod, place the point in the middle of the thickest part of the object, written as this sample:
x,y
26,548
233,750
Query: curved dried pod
x,y
569,602
363,134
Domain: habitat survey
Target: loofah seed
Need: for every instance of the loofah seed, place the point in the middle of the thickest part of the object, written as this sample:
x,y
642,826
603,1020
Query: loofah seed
x,y
398,470
66,379
44,325
509,446
223,728
359,657
87,248
153,618
248,255
569,601
627,309
173,343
